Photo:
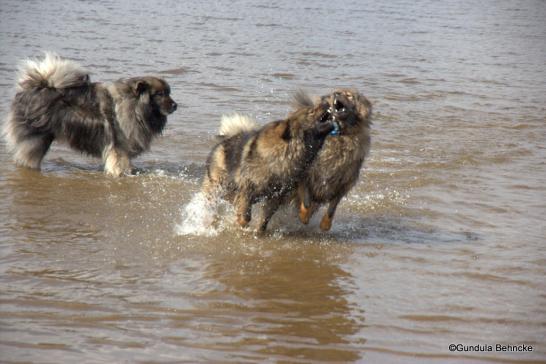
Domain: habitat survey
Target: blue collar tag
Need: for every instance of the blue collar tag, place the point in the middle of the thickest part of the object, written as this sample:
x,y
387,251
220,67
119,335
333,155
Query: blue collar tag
x,y
335,132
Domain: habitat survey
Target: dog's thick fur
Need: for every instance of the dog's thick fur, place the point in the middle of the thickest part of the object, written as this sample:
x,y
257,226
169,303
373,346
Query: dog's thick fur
x,y
55,100
252,164
336,168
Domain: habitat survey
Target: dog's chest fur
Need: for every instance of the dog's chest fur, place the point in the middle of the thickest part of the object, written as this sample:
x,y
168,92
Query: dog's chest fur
x,y
337,166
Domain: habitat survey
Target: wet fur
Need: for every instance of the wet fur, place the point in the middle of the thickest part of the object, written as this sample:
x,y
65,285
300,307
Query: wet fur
x,y
336,168
265,163
55,100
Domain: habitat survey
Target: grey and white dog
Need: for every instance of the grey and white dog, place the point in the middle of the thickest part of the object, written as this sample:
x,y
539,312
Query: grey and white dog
x,y
56,100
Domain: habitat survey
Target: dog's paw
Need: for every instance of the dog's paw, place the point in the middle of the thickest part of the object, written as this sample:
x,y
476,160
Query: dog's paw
x,y
136,171
117,163
114,172
326,223
304,214
117,172
242,221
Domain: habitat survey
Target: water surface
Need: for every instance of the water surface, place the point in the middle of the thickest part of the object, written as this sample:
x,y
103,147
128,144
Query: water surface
x,y
441,242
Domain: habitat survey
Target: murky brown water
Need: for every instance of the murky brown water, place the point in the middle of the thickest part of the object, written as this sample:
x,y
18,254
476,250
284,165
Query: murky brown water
x,y
441,242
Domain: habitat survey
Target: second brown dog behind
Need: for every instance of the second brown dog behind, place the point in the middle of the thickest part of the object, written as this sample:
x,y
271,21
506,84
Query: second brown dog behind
x,y
337,165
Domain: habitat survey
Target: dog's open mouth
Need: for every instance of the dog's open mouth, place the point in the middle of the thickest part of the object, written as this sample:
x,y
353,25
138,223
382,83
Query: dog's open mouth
x,y
339,106
326,116
327,122
329,118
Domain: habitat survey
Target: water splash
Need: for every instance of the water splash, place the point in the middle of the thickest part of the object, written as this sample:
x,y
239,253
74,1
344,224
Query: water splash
x,y
198,217
204,217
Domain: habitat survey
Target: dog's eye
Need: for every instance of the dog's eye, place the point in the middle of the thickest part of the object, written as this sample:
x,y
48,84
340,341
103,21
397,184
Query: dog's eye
x,y
160,93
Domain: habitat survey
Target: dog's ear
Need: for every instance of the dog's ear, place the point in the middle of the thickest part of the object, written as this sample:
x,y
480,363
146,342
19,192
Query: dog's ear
x,y
363,107
140,87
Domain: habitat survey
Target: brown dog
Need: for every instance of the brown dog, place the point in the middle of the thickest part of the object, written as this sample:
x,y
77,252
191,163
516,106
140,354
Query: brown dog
x,y
336,167
252,164
56,101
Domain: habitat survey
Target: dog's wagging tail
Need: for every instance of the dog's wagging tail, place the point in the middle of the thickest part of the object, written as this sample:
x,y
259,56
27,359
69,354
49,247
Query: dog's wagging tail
x,y
56,100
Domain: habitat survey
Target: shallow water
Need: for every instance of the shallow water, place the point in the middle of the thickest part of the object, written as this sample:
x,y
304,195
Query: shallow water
x,y
441,242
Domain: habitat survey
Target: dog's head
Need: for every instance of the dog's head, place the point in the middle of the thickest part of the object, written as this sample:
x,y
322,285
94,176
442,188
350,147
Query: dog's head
x,y
156,92
315,117
349,109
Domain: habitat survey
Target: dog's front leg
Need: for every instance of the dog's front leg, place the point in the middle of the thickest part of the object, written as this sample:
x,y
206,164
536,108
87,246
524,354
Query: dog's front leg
x,y
326,222
306,207
243,208
115,156
116,162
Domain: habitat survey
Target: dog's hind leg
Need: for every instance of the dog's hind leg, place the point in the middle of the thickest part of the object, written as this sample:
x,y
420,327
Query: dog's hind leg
x,y
30,152
209,189
271,206
326,222
213,183
243,208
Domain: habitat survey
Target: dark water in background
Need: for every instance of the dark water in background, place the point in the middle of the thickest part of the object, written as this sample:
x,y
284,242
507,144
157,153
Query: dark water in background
x,y
441,241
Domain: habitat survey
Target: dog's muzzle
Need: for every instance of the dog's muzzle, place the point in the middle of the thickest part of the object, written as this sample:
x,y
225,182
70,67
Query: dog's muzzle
x,y
331,112
339,106
326,122
340,112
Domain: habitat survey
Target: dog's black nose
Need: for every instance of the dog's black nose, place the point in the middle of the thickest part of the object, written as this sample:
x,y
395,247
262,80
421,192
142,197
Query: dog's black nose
x,y
174,107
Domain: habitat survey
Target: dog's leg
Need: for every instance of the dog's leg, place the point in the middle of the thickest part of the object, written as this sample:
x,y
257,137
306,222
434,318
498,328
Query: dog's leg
x,y
116,162
30,152
326,222
209,189
271,206
243,208
306,207
306,215
213,186
115,155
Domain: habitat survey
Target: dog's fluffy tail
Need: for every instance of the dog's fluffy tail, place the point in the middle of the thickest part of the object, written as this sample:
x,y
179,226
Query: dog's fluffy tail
x,y
236,123
52,71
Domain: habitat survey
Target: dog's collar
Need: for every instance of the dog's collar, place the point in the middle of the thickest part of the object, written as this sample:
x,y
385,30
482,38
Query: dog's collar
x,y
336,130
